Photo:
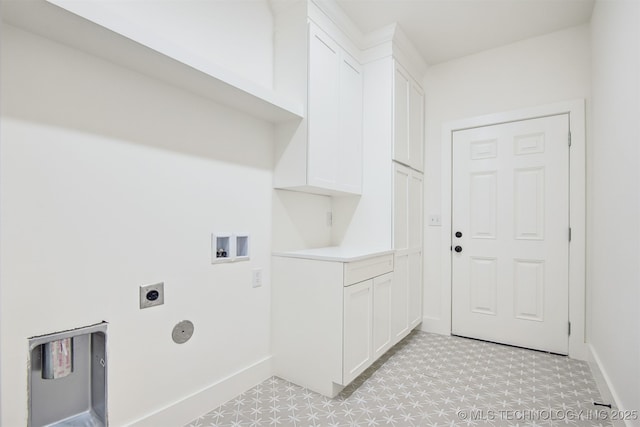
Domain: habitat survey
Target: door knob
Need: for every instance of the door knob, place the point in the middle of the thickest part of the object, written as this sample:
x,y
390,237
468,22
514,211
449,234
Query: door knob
x,y
458,249
458,234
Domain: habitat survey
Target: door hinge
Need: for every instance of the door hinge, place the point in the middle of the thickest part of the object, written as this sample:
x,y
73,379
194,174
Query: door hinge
x,y
569,233
569,139
569,328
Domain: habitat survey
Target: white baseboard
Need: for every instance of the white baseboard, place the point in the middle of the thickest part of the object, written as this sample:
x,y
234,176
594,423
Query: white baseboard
x,y
201,402
607,391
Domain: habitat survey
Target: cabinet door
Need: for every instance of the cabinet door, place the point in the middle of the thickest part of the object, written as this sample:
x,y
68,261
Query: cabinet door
x,y
400,294
401,115
414,288
349,159
358,328
401,176
382,288
400,297
407,238
324,72
414,210
416,127
415,232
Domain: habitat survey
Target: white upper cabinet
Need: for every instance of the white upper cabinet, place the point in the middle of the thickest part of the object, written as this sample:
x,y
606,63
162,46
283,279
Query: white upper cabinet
x,y
401,115
349,157
416,127
323,153
334,156
408,133
323,112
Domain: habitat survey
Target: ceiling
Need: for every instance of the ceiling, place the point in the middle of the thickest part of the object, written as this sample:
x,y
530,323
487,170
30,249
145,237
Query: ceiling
x,y
443,30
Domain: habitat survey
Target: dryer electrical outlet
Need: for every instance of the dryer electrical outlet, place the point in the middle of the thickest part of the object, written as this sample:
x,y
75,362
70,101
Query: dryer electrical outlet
x,y
151,295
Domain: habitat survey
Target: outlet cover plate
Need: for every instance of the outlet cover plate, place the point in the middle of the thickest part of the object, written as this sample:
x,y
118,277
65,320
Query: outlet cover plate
x,y
147,295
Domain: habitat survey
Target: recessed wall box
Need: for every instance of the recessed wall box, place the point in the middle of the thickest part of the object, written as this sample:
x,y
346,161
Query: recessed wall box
x,y
221,246
67,378
242,246
229,247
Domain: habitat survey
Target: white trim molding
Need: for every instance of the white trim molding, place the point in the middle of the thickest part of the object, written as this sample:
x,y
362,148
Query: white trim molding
x,y
392,40
607,392
577,208
185,410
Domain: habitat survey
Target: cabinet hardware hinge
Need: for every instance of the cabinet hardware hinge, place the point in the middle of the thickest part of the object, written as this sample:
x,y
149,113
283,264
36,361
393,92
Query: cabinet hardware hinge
x,y
569,233
569,139
569,328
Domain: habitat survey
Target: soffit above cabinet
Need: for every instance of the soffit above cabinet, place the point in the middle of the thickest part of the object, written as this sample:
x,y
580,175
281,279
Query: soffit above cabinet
x,y
92,28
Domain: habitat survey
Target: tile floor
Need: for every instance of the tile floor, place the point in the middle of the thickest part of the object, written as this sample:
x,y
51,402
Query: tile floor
x,y
432,380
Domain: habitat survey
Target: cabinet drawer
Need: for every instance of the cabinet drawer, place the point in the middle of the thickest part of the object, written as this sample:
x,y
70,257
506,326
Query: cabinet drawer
x,y
358,271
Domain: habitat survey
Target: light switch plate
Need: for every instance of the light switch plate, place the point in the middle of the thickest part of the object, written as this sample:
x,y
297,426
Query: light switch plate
x,y
256,280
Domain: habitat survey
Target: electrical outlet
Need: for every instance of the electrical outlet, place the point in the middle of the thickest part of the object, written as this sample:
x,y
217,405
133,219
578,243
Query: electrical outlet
x,y
151,295
434,220
256,280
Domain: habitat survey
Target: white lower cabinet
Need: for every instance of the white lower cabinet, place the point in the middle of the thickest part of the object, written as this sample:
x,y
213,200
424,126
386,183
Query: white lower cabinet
x,y
400,299
358,329
332,317
407,241
382,298
415,288
367,324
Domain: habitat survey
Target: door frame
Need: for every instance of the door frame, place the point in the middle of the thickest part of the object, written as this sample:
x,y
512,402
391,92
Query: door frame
x,y
577,209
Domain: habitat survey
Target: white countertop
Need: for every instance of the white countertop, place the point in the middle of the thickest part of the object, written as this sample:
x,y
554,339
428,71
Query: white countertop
x,y
335,253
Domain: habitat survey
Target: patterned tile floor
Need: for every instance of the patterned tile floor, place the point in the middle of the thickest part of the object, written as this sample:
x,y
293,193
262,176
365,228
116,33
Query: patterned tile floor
x,y
432,380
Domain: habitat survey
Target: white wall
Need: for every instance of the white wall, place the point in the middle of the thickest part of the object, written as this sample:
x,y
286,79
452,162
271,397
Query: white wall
x,y
111,180
237,35
613,238
300,220
537,71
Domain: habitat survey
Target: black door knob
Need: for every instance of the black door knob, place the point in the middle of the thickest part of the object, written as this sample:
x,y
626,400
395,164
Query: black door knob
x,y
458,234
458,249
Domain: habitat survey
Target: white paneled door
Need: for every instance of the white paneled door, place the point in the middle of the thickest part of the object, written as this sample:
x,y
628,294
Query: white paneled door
x,y
510,226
